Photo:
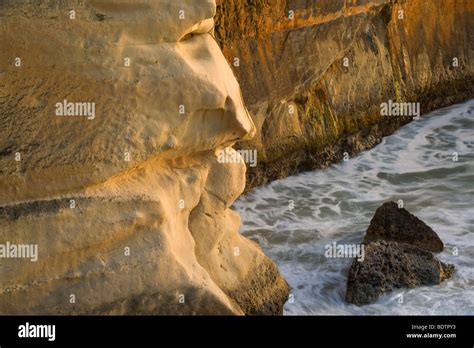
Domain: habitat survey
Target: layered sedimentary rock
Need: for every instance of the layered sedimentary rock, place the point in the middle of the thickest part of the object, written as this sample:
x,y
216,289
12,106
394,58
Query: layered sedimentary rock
x,y
314,73
112,114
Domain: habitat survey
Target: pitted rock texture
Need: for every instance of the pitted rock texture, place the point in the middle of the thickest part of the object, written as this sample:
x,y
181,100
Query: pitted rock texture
x,y
392,223
314,82
389,266
130,209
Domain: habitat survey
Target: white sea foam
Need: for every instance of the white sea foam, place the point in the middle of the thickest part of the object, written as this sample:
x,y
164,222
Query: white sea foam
x,y
336,205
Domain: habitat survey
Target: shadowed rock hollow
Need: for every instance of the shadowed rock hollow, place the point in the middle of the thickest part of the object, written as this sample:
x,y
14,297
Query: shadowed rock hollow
x,y
129,208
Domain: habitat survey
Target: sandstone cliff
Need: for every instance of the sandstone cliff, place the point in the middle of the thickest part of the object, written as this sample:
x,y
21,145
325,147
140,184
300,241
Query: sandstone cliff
x,y
314,73
128,205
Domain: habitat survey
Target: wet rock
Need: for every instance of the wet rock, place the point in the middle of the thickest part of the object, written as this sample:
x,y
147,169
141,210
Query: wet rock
x,y
392,223
389,266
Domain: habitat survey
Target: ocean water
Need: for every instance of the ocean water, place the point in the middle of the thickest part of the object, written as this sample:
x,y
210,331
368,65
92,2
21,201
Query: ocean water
x,y
336,205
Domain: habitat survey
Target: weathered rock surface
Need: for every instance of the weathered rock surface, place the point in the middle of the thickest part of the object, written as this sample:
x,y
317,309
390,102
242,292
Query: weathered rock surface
x,y
392,223
389,266
309,107
397,255
130,209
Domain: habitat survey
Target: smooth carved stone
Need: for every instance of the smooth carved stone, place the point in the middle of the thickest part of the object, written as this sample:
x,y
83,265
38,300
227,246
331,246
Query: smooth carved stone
x,y
389,266
391,223
129,208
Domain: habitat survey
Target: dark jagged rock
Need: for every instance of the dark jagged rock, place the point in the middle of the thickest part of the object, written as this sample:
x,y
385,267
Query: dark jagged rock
x,y
392,223
389,266
397,255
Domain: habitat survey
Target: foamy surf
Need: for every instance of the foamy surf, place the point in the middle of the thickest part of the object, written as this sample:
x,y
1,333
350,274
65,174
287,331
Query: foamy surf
x,y
335,205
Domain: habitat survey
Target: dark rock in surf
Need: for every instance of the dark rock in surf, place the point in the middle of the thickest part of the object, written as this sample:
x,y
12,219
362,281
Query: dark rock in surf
x,y
389,266
392,223
397,255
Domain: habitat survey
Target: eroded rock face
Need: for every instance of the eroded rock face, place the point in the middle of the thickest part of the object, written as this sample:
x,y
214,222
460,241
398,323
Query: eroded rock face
x,y
392,223
314,73
389,266
128,206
